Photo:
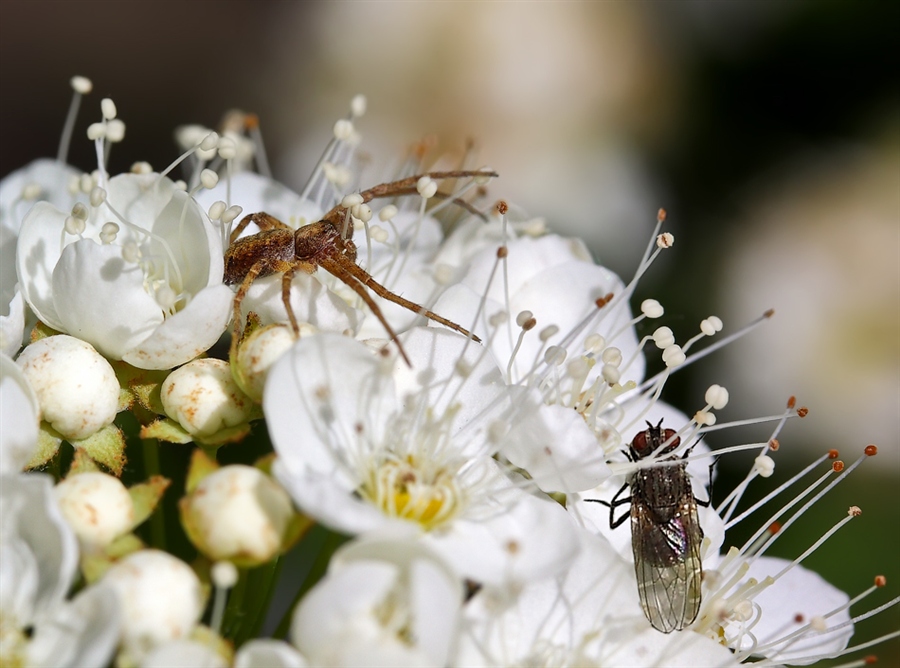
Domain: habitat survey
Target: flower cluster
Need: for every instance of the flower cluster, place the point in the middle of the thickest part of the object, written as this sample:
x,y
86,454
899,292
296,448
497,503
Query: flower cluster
x,y
435,401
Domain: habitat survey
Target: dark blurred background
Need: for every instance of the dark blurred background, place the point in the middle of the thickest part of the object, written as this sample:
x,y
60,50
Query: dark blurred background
x,y
770,131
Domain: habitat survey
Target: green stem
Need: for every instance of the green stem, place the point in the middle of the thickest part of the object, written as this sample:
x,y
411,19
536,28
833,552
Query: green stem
x,y
330,544
150,452
234,612
261,585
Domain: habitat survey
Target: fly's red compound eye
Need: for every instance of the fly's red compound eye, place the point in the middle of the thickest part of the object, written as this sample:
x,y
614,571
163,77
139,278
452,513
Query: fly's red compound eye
x,y
641,443
665,436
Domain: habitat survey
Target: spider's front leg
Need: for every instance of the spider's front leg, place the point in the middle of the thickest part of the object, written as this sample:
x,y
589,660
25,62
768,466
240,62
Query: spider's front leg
x,y
263,221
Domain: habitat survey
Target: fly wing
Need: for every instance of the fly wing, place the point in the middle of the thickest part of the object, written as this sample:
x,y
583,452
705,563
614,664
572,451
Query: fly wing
x,y
667,563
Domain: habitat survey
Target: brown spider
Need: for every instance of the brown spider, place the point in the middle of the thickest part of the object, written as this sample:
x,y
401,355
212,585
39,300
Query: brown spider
x,y
277,248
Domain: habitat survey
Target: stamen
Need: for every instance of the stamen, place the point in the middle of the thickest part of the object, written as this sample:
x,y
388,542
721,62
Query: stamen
x,y
80,86
224,576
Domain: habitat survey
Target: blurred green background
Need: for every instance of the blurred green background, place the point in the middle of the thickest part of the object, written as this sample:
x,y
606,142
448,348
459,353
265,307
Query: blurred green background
x,y
770,131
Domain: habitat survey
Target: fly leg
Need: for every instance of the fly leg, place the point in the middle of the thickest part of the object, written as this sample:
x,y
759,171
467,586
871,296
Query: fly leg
x,y
612,505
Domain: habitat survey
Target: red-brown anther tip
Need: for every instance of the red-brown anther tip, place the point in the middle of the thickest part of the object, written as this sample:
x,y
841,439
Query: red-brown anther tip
x,y
803,411
251,121
871,659
871,450
600,302
833,454
502,207
838,466
854,511
774,445
792,401
661,215
502,252
769,313
529,324
880,581
774,527
799,618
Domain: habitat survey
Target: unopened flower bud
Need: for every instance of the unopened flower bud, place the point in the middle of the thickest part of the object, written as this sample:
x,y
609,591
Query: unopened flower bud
x,y
203,397
238,513
97,506
75,385
159,597
259,352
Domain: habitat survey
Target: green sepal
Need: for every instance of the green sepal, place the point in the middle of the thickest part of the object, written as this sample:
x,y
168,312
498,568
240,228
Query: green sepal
x,y
201,466
141,385
48,444
145,497
206,636
82,463
106,447
95,564
166,429
41,331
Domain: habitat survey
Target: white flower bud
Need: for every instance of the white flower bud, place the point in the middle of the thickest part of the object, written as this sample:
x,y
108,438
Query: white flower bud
x,y
159,596
203,397
259,352
97,506
75,385
238,513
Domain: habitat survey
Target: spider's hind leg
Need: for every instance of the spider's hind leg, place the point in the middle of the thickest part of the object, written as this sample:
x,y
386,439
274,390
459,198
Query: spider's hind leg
x,y
263,221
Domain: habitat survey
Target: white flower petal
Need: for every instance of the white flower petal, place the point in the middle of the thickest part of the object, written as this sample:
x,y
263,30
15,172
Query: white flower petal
x,y
29,515
81,633
12,325
101,299
20,416
186,334
37,251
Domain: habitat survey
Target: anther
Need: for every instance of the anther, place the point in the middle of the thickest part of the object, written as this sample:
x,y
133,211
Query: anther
x,y
108,232
610,374
80,211
387,213
871,659
379,234
526,320
854,511
594,343
769,313
707,419
358,105
711,325
501,207
81,85
141,167
837,466
216,210
612,355
833,454
555,355
210,142
880,581
818,623
231,213
31,191
548,332
351,200
652,308
98,196
426,187
209,179
483,180
665,240
73,225
774,445
600,302
227,148
792,401
96,131
673,356
774,528
716,396
764,466
871,450
131,253
661,216
115,131
343,129
663,337
108,108
803,411
502,252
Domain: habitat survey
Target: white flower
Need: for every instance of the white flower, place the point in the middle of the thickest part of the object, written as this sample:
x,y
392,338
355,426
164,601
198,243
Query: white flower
x,y
97,506
269,653
385,601
160,598
138,274
19,416
364,443
238,513
38,627
76,387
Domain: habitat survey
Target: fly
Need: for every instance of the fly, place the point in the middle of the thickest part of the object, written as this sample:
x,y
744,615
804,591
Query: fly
x,y
665,531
